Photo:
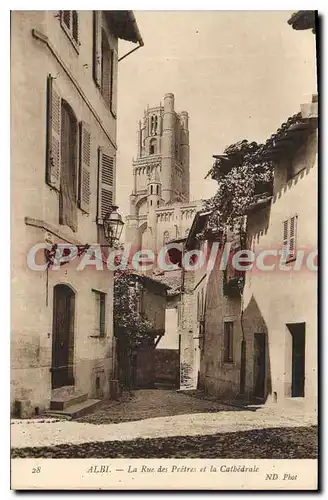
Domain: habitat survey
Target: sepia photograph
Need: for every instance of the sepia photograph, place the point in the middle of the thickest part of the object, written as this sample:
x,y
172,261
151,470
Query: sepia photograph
x,y
164,248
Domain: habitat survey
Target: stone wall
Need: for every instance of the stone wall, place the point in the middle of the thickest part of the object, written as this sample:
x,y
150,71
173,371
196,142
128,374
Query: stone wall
x,y
167,363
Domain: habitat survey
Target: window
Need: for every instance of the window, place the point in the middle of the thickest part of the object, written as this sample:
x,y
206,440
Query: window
x,y
100,313
228,341
157,190
104,62
65,170
68,178
106,174
152,147
289,239
166,237
105,68
153,125
69,20
151,189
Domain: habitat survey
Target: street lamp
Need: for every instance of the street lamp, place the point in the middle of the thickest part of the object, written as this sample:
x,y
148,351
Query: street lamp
x,y
113,226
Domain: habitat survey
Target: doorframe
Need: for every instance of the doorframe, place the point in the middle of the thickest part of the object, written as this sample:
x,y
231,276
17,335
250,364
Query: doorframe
x,y
73,289
265,335
288,379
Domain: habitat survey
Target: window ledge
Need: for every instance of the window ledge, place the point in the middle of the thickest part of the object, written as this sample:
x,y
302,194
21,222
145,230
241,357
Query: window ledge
x,y
100,337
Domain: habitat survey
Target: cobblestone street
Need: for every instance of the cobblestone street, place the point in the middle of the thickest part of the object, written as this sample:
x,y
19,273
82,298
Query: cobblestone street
x,y
174,424
152,403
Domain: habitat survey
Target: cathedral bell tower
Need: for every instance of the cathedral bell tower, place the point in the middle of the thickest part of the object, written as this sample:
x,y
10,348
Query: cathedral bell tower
x,y
160,169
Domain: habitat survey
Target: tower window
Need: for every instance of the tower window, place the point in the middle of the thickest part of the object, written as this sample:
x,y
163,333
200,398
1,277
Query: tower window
x,y
152,146
151,203
151,189
157,189
158,203
153,125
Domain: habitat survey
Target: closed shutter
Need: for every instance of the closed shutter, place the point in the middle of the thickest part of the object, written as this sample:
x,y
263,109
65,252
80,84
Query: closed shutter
x,y
97,47
75,26
66,18
105,183
106,72
53,135
113,87
85,162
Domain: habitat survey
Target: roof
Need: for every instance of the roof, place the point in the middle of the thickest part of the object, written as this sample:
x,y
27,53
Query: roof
x,y
123,24
148,279
198,225
303,20
172,280
290,135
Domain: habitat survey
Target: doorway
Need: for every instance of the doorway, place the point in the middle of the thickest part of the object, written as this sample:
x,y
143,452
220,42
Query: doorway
x,y
297,331
63,337
259,365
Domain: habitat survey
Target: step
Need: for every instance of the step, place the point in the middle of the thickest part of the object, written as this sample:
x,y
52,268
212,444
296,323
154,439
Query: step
x,y
63,391
62,402
76,410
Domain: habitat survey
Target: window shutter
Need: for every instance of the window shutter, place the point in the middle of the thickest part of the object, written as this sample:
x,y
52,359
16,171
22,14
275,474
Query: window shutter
x,y
75,25
105,183
285,245
85,162
113,87
66,18
292,237
97,47
53,135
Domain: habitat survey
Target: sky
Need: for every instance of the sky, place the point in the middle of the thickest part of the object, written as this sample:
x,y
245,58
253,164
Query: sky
x,y
239,74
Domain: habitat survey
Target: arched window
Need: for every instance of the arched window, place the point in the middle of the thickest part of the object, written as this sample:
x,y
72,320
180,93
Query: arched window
x,y
166,237
68,178
152,147
157,189
151,203
156,124
151,189
158,203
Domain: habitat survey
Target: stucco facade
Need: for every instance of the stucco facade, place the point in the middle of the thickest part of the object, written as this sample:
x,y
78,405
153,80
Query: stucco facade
x,y
274,321
46,53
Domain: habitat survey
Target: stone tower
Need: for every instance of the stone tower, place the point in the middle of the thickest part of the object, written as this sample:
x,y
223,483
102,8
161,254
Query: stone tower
x,y
161,177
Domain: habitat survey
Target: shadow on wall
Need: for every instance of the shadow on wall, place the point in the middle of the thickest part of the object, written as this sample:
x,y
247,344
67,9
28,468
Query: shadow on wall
x,y
258,362
257,224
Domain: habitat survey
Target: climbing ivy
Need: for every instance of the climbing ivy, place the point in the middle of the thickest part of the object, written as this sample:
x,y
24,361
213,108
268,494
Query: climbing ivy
x,y
242,176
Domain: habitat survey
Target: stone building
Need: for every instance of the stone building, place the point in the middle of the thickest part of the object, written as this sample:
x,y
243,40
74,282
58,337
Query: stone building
x,y
262,343
160,209
64,67
147,298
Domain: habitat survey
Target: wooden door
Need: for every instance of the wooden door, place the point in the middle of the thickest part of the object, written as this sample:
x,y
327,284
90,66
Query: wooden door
x,y
259,365
63,336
